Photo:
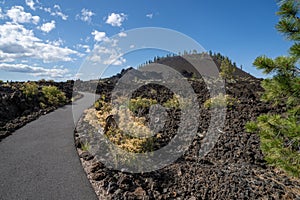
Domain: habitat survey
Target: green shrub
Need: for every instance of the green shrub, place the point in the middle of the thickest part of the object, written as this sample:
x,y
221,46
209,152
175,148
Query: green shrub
x,y
99,103
139,105
30,89
53,96
220,101
42,105
172,103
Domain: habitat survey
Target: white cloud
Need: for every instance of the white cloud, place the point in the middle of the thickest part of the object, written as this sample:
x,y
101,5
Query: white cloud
x,y
47,27
57,7
17,42
86,15
17,15
57,43
57,12
33,70
86,47
115,61
99,36
30,3
106,56
122,34
150,15
115,19
48,10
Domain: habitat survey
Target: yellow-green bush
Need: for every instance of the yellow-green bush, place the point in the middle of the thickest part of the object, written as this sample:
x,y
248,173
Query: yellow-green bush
x,y
30,89
172,103
131,134
140,104
98,105
53,96
220,101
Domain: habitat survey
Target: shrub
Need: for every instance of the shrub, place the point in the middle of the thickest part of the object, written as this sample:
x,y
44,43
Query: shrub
x,y
140,105
42,105
131,134
53,96
220,101
172,103
99,103
30,89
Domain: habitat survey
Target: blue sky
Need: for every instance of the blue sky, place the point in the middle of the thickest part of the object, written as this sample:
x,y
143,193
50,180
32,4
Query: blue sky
x,y
51,39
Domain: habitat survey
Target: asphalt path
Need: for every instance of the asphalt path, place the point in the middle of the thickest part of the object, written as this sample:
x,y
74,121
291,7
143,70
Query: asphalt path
x,y
39,161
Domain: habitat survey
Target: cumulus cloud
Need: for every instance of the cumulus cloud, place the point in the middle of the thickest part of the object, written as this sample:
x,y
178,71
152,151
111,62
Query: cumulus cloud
x,y
17,42
106,56
18,15
122,34
150,15
33,70
57,43
85,47
86,15
30,4
55,12
99,36
115,19
47,27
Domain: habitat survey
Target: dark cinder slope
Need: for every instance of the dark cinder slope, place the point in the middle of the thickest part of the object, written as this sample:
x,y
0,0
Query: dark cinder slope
x,y
182,65
39,161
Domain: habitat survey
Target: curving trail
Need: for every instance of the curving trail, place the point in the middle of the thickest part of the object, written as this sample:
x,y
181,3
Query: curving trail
x,y
39,161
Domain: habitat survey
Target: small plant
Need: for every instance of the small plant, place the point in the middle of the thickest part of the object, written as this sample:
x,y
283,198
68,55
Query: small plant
x,y
30,89
53,96
140,105
98,105
85,146
100,102
220,101
42,105
172,103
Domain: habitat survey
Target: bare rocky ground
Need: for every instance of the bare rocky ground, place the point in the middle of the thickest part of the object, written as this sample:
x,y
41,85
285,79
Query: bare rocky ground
x,y
16,109
233,169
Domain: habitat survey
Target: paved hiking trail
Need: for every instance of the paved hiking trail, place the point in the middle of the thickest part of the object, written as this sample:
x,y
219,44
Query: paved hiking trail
x,y
39,161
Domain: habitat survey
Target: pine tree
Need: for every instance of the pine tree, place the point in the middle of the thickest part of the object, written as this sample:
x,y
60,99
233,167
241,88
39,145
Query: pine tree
x,y
227,69
280,133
